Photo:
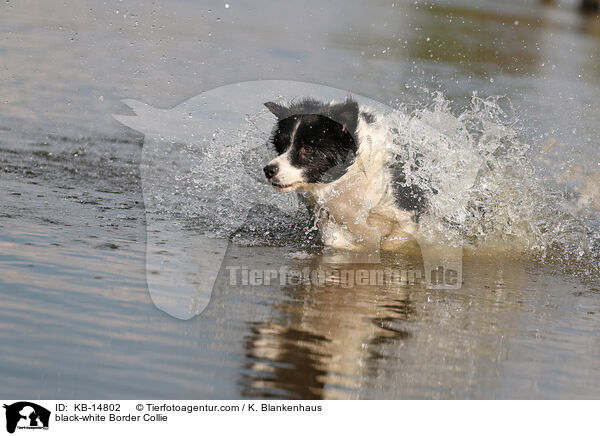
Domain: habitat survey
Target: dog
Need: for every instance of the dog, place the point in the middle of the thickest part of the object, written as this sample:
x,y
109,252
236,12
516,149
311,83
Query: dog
x,y
338,157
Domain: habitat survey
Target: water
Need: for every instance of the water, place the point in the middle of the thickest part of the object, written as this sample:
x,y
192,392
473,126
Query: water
x,y
77,320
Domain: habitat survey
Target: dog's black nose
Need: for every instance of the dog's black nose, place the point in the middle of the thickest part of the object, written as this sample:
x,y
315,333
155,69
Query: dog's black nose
x,y
270,171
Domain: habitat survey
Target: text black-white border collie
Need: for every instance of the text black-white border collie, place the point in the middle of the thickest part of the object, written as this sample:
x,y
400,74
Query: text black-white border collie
x,y
338,156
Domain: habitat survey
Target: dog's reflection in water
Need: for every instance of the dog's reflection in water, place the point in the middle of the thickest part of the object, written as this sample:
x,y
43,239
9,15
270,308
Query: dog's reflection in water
x,y
332,335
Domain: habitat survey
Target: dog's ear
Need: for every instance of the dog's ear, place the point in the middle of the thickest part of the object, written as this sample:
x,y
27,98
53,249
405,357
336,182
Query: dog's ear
x,y
278,110
346,114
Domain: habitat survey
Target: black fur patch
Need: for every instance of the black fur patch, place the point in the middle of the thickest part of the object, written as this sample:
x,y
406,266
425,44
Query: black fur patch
x,y
345,113
368,117
408,196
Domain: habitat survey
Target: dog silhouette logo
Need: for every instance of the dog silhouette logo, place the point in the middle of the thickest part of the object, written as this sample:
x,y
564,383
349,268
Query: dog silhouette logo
x,y
26,415
202,175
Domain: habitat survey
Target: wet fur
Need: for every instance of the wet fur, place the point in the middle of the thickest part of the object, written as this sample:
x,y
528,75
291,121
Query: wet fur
x,y
348,178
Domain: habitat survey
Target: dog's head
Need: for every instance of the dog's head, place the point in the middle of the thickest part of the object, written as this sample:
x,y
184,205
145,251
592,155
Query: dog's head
x,y
315,142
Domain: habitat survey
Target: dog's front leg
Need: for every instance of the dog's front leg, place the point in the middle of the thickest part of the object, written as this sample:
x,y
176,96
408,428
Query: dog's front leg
x,y
337,236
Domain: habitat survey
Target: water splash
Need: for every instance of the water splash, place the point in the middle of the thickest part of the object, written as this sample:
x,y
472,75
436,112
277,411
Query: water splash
x,y
490,195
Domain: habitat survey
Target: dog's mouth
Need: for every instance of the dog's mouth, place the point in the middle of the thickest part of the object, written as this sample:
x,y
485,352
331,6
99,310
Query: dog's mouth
x,y
287,188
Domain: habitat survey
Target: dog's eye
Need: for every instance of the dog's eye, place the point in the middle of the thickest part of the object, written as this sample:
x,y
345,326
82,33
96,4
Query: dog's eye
x,y
306,149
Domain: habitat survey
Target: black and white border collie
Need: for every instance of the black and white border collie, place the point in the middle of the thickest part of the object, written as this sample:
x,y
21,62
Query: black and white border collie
x,y
338,156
